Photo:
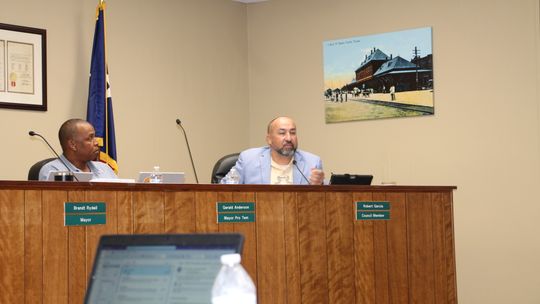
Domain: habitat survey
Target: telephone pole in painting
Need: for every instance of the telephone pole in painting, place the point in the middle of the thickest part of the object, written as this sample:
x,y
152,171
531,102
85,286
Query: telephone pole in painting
x,y
416,53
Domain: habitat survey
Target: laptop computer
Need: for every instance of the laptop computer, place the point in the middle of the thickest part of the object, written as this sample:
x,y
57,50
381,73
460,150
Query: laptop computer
x,y
168,177
350,179
172,268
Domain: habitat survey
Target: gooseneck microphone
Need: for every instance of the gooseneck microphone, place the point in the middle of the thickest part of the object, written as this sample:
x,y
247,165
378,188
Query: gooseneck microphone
x,y
296,165
178,122
32,133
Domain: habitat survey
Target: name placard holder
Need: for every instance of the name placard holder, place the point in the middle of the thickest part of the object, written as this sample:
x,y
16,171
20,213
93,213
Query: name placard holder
x,y
85,213
372,211
235,212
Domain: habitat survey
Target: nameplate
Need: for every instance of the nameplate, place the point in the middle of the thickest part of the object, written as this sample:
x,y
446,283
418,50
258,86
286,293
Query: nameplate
x,y
372,206
372,211
235,212
236,207
85,220
373,215
85,213
84,207
236,217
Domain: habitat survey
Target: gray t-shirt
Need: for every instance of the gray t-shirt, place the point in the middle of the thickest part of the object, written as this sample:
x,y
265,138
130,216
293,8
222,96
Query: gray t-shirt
x,y
98,169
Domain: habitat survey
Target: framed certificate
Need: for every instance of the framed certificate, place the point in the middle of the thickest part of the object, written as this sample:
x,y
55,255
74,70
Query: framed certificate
x,y
23,68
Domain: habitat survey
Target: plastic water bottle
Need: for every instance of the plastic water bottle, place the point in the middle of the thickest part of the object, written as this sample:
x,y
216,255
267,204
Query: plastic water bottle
x,y
233,284
233,177
156,177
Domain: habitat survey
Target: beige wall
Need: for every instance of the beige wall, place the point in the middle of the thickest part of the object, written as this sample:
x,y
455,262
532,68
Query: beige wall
x,y
167,59
483,138
226,68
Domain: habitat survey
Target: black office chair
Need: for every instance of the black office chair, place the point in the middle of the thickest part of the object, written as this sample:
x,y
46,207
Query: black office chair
x,y
222,167
33,173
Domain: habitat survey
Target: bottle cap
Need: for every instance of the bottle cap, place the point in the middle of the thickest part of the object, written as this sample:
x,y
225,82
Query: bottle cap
x,y
230,259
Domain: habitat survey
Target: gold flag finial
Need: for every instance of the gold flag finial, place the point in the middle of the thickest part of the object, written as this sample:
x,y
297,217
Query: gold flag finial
x,y
101,6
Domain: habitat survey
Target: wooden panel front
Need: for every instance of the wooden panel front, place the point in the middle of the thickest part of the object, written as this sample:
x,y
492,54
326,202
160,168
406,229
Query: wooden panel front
x,y
292,248
271,247
312,245
33,247
364,259
396,233
305,246
380,256
420,243
79,263
55,248
249,230
12,246
339,240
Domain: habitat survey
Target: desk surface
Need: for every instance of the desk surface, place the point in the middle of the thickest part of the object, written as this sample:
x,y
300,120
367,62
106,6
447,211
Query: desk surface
x,y
42,185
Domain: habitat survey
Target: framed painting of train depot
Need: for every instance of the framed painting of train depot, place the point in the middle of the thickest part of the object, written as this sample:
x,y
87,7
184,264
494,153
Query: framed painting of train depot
x,y
23,68
379,76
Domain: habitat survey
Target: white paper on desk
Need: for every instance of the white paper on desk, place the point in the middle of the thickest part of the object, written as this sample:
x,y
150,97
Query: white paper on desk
x,y
113,180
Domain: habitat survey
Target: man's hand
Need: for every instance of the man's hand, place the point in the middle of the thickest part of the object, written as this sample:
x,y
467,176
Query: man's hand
x,y
316,177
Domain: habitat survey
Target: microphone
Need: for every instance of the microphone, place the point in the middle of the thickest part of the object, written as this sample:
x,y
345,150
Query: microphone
x,y
32,133
296,165
178,122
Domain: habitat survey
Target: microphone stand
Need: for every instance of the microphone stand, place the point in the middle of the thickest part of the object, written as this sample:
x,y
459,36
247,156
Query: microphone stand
x,y
296,165
32,133
178,122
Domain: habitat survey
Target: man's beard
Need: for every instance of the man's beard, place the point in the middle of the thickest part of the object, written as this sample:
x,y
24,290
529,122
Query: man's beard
x,y
287,153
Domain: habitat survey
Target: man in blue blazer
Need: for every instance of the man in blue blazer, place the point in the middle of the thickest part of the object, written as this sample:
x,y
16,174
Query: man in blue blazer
x,y
280,162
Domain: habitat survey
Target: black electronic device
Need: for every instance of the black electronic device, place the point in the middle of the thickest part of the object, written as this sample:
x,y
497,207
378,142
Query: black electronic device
x,y
350,179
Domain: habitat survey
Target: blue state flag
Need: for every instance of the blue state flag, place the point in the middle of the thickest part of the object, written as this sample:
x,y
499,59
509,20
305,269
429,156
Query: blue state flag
x,y
100,111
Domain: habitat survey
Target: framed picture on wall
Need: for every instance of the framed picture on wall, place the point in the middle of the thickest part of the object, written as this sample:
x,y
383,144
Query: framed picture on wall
x,y
379,76
23,68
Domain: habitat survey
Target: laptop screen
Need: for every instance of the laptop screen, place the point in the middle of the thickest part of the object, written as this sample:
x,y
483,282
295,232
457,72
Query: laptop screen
x,y
168,177
159,268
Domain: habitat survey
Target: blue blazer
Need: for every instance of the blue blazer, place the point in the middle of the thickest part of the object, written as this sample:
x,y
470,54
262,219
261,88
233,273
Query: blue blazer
x,y
253,165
